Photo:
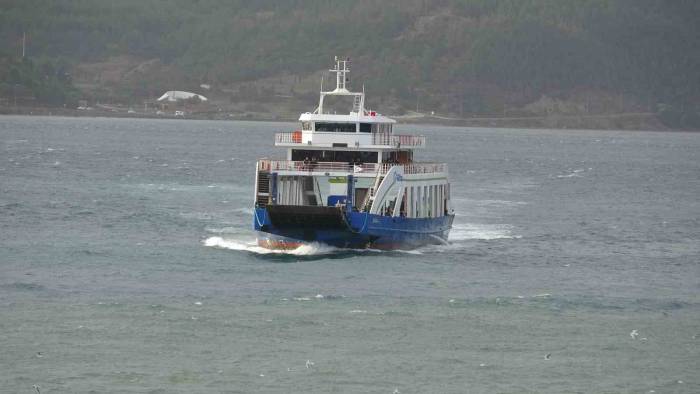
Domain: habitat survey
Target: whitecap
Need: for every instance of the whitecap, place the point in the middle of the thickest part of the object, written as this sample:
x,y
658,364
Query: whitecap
x,y
467,231
224,230
572,175
498,202
415,251
310,249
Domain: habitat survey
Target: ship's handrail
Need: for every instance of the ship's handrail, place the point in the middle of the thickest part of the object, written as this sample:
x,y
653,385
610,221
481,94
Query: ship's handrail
x,y
288,138
383,139
367,168
417,168
398,140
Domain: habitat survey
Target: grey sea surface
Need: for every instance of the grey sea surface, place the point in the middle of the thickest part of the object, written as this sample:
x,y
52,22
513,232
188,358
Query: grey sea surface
x,y
128,265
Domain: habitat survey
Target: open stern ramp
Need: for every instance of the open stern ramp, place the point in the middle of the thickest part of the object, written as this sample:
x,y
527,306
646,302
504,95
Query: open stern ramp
x,y
304,217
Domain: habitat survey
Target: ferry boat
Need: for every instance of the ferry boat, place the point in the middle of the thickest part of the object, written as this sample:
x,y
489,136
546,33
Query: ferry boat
x,y
349,181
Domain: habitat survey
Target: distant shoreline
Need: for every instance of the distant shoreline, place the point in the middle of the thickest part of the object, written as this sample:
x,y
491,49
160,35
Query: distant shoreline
x,y
626,121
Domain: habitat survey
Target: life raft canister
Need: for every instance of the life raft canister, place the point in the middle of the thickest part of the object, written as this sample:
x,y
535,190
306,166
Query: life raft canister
x,y
296,137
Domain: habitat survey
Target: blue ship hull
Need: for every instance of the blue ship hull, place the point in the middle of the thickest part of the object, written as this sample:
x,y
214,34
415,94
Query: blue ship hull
x,y
288,227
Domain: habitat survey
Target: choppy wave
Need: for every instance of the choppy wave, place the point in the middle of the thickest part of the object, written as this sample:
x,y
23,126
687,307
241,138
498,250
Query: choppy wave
x,y
244,211
469,231
224,230
574,174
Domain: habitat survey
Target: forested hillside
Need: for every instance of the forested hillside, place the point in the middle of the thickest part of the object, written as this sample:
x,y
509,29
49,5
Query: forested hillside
x,y
455,57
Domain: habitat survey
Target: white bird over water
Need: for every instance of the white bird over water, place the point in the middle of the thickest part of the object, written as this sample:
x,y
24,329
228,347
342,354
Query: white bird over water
x,y
309,364
37,388
634,334
548,356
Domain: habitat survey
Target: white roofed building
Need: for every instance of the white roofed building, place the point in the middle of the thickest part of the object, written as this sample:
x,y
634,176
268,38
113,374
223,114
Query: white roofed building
x,y
178,95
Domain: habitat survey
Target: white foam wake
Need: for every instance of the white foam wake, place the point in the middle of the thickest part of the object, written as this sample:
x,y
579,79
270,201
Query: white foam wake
x,y
467,231
309,249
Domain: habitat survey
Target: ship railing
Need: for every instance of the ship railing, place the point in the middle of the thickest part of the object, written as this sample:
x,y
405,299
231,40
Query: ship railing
x,y
288,138
380,139
365,168
417,168
398,140
321,166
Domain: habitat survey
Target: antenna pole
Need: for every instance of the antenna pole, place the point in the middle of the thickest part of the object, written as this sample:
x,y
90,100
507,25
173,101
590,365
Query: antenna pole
x,y
362,101
24,43
339,76
340,70
320,100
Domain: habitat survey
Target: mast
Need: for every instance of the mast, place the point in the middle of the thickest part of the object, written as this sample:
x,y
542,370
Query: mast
x,y
341,69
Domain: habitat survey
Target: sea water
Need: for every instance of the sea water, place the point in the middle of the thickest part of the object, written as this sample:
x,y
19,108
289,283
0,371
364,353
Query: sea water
x,y
128,264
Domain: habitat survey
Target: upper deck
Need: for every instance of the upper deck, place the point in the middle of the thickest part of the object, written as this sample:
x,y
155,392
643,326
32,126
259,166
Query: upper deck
x,y
377,140
290,167
358,129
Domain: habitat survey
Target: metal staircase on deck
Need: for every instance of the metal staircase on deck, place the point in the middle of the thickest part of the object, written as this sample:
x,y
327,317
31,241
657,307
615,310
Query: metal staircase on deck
x,y
367,204
263,197
357,104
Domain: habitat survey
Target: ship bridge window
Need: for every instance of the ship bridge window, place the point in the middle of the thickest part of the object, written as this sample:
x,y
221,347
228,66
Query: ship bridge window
x,y
365,127
336,127
306,126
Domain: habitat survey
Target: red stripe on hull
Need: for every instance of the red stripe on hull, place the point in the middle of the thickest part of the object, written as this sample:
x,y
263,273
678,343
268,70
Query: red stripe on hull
x,y
278,244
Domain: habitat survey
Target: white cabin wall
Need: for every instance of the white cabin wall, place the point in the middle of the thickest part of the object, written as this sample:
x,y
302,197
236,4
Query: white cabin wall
x,y
290,190
423,199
